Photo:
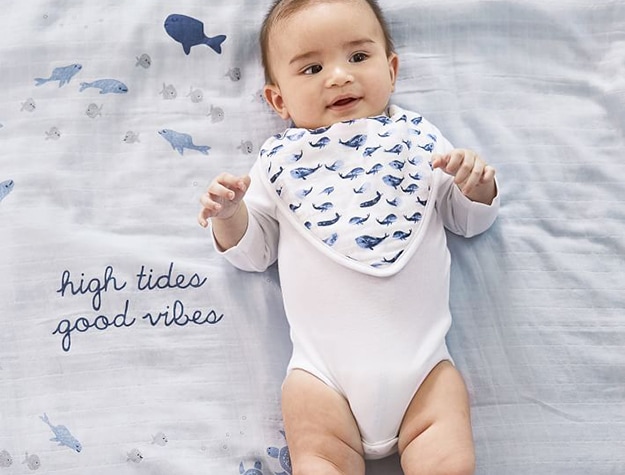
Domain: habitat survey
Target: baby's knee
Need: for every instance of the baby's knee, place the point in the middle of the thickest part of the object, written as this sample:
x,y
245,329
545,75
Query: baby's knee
x,y
312,465
451,463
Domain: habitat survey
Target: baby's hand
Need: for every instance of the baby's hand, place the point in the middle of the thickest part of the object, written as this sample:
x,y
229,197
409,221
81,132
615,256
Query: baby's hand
x,y
223,197
473,176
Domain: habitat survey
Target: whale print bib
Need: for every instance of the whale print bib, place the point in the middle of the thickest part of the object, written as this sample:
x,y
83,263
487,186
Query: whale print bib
x,y
358,190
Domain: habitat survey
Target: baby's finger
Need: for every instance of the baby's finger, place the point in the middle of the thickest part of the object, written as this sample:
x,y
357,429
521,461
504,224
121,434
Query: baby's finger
x,y
221,190
488,175
439,161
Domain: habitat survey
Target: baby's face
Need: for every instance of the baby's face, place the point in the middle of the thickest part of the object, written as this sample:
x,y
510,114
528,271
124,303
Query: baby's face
x,y
329,64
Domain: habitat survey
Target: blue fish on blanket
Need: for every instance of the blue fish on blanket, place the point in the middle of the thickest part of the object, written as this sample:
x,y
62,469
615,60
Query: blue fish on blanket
x,y
62,435
63,75
190,32
106,86
180,141
6,187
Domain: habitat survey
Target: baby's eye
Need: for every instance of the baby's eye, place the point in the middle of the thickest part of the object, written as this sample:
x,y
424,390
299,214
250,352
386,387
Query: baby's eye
x,y
358,57
314,69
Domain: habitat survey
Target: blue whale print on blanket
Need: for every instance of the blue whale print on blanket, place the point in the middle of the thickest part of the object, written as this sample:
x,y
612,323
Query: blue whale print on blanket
x,y
190,32
6,187
180,141
62,435
63,75
106,86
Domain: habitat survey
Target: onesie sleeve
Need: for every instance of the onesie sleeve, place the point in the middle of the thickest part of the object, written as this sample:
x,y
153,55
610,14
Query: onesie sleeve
x,y
258,248
461,215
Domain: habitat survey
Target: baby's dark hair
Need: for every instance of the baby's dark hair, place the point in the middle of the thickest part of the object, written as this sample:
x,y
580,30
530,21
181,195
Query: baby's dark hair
x,y
283,9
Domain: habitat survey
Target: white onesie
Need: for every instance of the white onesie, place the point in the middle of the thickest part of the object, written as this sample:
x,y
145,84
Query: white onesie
x,y
355,216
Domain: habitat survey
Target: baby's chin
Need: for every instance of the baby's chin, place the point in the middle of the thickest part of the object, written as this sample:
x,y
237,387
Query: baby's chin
x,y
339,119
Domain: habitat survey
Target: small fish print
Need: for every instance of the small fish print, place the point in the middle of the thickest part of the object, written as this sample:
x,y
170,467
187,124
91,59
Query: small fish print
x,y
373,202
415,218
352,174
397,164
134,456
179,141
410,189
6,187
370,151
388,220
160,439
168,92
355,142
337,165
359,220
360,190
303,172
53,134
29,105
370,242
296,157
131,137
247,147
323,207
330,222
106,86
5,459
275,176
216,114
327,191
144,61
303,193
397,149
62,435
428,147
234,74
320,130
392,181
94,111
331,240
382,119
275,150
189,32
32,461
196,95
321,143
63,75
402,235
294,137
375,169
393,259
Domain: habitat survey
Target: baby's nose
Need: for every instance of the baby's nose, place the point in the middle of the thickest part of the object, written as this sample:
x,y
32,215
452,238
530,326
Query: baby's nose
x,y
339,76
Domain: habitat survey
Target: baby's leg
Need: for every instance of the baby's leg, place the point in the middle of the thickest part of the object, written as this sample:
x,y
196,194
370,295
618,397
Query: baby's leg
x,y
435,436
321,432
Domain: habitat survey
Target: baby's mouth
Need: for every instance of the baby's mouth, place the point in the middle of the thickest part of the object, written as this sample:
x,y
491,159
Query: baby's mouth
x,y
343,101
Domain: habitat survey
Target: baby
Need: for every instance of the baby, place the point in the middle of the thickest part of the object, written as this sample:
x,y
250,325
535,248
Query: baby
x,y
353,201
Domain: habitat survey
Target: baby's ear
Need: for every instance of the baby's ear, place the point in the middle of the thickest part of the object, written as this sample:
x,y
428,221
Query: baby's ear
x,y
393,65
274,98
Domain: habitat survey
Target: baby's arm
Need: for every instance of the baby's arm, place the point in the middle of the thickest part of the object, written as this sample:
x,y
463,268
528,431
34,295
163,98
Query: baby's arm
x,y
223,204
473,176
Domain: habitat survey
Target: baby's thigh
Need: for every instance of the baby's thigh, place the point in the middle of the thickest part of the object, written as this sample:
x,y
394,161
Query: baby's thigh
x,y
435,436
321,432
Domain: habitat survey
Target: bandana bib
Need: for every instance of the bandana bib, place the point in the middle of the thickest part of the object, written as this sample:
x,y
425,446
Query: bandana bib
x,y
358,190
